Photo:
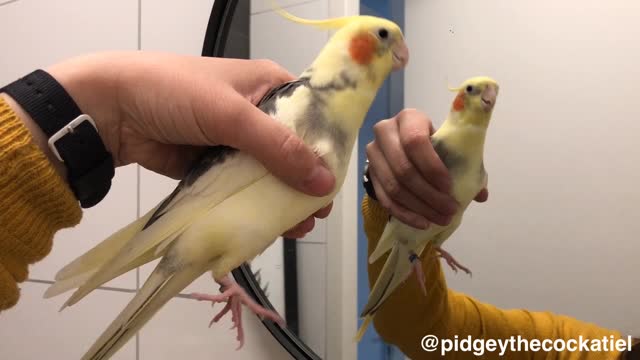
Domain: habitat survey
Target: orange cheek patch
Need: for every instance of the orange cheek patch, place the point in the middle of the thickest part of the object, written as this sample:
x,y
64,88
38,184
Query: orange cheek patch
x,y
458,103
362,48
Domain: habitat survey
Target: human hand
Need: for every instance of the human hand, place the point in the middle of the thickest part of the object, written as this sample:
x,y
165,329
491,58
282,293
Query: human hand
x,y
409,178
160,110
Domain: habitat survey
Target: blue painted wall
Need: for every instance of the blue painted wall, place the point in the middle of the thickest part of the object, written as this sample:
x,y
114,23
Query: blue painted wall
x,y
389,101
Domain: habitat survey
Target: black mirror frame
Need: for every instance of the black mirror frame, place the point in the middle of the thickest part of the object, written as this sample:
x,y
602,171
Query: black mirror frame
x,y
214,45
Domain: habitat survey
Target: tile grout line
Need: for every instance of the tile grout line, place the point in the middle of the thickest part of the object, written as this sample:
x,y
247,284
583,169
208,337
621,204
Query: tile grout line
x,y
106,288
138,178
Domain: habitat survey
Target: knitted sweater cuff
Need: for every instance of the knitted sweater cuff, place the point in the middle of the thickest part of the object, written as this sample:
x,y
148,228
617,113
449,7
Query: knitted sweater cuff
x,y
35,202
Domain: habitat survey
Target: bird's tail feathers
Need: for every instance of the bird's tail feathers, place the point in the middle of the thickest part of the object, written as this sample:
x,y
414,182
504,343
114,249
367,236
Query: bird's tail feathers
x,y
363,328
159,288
103,251
82,269
385,243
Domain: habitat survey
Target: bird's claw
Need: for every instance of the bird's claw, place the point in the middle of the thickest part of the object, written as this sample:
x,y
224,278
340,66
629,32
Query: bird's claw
x,y
452,262
417,269
234,296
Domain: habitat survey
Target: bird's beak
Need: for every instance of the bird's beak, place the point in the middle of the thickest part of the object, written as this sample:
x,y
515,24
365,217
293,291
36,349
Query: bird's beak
x,y
488,96
400,53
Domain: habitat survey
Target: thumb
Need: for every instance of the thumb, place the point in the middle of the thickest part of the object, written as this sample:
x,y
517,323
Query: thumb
x,y
280,150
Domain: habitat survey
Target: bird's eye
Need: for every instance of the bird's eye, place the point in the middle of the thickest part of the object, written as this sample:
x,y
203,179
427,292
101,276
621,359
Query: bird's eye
x,y
383,33
469,88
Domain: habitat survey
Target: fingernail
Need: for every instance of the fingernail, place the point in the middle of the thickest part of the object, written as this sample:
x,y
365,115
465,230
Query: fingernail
x,y
319,182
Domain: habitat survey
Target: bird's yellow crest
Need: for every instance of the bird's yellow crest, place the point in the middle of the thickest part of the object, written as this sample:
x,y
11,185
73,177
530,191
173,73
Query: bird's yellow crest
x,y
326,24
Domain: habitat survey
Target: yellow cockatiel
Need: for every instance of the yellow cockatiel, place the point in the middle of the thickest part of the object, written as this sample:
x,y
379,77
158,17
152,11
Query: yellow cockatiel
x,y
460,145
229,208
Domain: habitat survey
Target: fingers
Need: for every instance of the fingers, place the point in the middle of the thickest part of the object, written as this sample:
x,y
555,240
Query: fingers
x,y
300,230
393,195
277,147
482,196
400,212
268,71
259,77
413,189
273,144
324,212
415,129
178,160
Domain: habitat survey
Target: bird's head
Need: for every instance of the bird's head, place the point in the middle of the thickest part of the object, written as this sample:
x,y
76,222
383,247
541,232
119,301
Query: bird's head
x,y
374,42
369,45
475,99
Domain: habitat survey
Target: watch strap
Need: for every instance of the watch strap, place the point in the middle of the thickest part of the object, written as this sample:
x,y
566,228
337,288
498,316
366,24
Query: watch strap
x,y
73,136
367,183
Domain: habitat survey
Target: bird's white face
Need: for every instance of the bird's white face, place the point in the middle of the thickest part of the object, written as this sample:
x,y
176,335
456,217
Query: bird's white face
x,y
478,95
377,44
482,95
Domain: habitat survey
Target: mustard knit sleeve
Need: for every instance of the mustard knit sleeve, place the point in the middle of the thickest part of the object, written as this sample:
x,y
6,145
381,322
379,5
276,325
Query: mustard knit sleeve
x,y
408,315
35,202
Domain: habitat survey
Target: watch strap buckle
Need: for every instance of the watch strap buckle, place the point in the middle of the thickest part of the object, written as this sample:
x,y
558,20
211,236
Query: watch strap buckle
x,y
68,129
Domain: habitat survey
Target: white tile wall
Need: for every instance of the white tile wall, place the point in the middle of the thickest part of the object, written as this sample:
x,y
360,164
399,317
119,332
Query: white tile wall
x,y
34,329
169,25
38,33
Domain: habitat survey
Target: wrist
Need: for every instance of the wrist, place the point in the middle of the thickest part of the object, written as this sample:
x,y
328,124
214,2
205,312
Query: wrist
x,y
92,83
50,108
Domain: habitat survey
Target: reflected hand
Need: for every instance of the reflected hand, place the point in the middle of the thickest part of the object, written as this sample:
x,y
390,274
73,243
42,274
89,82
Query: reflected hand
x,y
409,178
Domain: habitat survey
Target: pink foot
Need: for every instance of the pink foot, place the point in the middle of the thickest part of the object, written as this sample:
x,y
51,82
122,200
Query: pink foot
x,y
453,263
234,296
417,269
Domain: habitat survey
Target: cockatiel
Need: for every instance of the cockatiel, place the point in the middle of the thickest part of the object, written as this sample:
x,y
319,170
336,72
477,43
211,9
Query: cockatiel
x,y
230,208
460,145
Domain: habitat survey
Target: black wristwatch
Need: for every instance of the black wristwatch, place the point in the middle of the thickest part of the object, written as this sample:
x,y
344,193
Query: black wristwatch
x,y
366,182
73,136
